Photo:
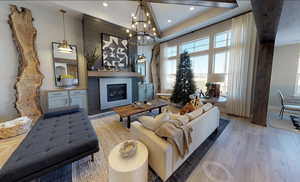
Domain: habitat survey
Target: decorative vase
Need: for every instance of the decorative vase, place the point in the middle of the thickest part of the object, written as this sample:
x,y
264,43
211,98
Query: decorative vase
x,y
67,82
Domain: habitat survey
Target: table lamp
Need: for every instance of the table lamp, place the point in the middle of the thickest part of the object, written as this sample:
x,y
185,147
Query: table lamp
x,y
213,85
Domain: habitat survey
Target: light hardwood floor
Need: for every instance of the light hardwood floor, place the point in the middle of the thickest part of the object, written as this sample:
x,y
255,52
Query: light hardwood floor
x,y
249,153
243,153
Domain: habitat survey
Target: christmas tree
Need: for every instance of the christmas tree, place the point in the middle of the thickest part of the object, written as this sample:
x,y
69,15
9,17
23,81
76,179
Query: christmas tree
x,y
185,85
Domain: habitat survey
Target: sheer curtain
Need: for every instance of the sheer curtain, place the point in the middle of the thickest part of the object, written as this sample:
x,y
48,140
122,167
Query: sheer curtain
x,y
241,65
167,68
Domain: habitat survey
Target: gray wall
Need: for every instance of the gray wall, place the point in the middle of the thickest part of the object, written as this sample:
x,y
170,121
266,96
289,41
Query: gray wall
x,y
48,23
92,30
285,65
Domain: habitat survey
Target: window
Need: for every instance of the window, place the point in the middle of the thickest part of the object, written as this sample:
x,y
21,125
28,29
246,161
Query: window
x,y
195,46
222,39
172,51
221,57
170,73
200,70
297,85
221,62
209,54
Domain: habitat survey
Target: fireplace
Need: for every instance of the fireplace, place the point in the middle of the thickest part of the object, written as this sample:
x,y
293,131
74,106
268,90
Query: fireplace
x,y
116,92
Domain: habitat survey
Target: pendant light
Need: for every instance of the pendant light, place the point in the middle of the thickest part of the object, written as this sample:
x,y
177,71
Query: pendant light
x,y
64,47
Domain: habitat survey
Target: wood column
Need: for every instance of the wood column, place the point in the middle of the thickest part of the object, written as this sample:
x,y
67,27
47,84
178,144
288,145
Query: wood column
x,y
262,81
267,15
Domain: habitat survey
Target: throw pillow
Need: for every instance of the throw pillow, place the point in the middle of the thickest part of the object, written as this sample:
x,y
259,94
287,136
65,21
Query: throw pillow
x,y
207,107
193,115
149,122
165,116
189,107
182,118
154,123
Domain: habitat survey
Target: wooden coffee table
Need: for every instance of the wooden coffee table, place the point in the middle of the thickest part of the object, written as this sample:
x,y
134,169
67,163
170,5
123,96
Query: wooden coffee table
x,y
130,110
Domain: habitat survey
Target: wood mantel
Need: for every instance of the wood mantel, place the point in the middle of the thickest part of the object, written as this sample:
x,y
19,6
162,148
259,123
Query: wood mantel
x,y
113,74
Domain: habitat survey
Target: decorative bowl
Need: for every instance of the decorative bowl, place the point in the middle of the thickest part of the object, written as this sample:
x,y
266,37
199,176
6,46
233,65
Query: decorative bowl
x,y
128,149
139,105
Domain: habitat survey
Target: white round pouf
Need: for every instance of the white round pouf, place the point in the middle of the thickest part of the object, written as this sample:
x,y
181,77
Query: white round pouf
x,y
134,169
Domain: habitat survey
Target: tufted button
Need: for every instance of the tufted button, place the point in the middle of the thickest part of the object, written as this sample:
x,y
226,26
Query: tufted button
x,y
70,133
70,141
70,127
51,138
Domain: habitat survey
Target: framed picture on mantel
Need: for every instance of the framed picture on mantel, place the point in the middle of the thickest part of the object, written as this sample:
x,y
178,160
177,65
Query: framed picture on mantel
x,y
114,51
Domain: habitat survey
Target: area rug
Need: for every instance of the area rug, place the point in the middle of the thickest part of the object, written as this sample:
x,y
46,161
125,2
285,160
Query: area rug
x,y
111,132
285,123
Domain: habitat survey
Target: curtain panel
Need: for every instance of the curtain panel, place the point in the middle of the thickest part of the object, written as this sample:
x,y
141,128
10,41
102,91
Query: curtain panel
x,y
241,64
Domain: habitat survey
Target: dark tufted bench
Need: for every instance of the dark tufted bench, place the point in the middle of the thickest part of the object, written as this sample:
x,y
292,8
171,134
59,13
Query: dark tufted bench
x,y
60,138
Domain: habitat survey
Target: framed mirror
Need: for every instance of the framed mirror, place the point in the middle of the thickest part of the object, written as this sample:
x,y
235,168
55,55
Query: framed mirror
x,y
65,67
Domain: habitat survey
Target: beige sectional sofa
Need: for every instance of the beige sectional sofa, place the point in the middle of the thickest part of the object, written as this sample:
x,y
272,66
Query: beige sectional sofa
x,y
163,156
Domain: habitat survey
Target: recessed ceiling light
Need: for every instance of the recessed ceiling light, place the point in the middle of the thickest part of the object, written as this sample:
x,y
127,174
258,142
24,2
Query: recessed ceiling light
x,y
192,8
105,4
169,21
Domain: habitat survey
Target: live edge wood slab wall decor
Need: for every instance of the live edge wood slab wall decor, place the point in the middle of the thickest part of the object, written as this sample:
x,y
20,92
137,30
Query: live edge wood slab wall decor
x,y
29,78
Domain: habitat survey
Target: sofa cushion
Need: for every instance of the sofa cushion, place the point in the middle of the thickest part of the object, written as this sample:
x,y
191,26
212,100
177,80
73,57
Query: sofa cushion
x,y
154,123
207,107
193,115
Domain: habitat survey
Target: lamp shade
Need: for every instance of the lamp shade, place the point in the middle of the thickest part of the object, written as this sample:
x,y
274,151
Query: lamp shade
x,y
216,77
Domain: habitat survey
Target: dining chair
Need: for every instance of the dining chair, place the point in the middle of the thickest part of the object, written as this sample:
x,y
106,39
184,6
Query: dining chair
x,y
287,105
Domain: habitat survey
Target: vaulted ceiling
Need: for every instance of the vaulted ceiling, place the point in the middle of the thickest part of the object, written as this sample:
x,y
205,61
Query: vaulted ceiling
x,y
171,19
183,20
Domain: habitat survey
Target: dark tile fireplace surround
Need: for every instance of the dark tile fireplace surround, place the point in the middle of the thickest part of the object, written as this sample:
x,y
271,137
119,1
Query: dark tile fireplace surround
x,y
116,92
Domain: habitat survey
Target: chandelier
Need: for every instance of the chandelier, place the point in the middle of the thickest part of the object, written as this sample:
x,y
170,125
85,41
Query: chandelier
x,y
142,31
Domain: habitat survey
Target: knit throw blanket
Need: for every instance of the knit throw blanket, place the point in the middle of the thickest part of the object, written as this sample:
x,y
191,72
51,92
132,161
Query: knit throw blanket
x,y
178,133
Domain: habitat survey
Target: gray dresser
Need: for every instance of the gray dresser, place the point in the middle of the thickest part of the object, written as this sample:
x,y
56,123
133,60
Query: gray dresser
x,y
64,98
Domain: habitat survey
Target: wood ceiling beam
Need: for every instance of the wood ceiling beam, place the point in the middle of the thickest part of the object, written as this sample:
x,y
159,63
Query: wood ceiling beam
x,y
206,3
